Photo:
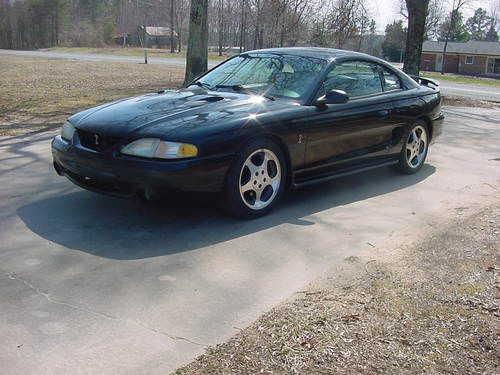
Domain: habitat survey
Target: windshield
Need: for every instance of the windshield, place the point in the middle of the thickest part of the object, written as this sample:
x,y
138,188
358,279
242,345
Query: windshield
x,y
266,74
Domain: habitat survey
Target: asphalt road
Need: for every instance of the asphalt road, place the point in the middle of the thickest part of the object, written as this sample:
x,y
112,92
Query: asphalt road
x,y
480,92
96,285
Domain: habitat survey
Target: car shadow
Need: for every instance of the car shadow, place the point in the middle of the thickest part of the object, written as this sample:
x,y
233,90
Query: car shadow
x,y
125,229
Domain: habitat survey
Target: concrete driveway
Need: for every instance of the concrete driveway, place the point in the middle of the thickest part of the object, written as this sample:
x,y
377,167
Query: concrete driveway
x,y
97,285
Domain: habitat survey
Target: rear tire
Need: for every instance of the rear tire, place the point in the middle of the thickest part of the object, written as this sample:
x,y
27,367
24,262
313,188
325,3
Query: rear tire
x,y
256,180
415,148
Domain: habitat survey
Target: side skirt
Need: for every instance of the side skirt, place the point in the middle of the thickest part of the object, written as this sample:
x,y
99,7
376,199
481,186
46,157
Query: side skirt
x,y
323,178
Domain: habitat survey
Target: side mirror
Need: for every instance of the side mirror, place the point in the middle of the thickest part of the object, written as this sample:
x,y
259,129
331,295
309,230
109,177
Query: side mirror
x,y
332,97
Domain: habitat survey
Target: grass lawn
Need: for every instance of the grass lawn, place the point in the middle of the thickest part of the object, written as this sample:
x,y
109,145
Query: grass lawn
x,y
462,79
38,91
428,306
134,51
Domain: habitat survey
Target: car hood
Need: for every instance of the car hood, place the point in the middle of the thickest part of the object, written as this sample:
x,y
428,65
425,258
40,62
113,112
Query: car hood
x,y
160,114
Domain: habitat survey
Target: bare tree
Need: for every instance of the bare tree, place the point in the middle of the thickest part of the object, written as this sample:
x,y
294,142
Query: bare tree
x,y
344,16
182,10
363,26
243,25
197,49
220,25
435,15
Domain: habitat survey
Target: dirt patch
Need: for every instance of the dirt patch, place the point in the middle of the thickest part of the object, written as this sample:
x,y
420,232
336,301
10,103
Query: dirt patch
x,y
467,102
37,92
433,309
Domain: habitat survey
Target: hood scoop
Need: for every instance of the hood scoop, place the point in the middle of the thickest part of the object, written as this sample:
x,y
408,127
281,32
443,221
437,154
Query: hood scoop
x,y
204,100
211,98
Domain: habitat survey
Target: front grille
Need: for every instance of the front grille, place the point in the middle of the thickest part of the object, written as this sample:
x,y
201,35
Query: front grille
x,y
115,188
96,141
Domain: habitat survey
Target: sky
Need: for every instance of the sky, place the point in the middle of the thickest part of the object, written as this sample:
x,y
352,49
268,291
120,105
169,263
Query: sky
x,y
386,11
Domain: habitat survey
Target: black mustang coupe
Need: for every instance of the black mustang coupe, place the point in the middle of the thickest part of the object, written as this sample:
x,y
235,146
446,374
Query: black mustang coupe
x,y
253,125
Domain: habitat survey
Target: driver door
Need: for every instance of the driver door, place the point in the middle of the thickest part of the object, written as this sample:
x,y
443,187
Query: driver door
x,y
343,135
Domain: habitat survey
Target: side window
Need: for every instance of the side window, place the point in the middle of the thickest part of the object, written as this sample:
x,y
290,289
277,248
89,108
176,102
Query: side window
x,y
356,78
390,81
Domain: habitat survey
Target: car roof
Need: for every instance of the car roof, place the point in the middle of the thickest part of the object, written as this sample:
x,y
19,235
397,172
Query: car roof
x,y
318,52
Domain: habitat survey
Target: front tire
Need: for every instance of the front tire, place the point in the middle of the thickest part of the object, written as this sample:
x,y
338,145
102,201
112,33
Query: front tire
x,y
256,180
415,148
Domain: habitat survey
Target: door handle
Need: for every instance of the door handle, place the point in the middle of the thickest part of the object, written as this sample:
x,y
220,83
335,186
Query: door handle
x,y
383,113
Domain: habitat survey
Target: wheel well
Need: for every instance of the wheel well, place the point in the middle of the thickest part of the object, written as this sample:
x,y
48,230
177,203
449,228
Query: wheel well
x,y
286,154
428,122
283,148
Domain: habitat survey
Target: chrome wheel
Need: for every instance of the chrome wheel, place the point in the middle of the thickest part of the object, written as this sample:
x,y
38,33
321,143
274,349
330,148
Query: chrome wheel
x,y
416,146
260,179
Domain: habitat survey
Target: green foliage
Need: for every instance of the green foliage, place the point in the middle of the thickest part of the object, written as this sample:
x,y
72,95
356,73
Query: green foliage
x,y
492,34
454,28
108,31
478,24
395,40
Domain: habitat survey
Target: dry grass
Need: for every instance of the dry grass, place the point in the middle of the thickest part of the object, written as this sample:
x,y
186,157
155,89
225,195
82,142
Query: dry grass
x,y
433,310
36,92
467,80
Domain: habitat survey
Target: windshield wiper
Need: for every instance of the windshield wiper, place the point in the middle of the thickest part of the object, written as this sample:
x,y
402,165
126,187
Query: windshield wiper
x,y
202,84
240,88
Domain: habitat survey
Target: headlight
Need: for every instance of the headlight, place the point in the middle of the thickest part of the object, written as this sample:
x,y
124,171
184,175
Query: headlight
x,y
67,131
156,148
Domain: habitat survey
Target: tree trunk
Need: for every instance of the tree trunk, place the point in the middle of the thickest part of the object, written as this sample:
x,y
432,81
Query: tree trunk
x,y
451,26
242,25
56,26
444,56
178,26
197,49
417,13
172,46
360,42
221,25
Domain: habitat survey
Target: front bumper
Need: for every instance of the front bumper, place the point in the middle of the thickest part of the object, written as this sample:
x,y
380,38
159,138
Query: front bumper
x,y
119,175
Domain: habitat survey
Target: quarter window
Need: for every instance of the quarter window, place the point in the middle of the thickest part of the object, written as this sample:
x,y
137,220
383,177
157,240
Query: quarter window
x,y
390,81
356,78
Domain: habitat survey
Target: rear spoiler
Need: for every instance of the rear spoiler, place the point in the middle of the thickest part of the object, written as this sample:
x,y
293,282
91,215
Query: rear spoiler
x,y
425,81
